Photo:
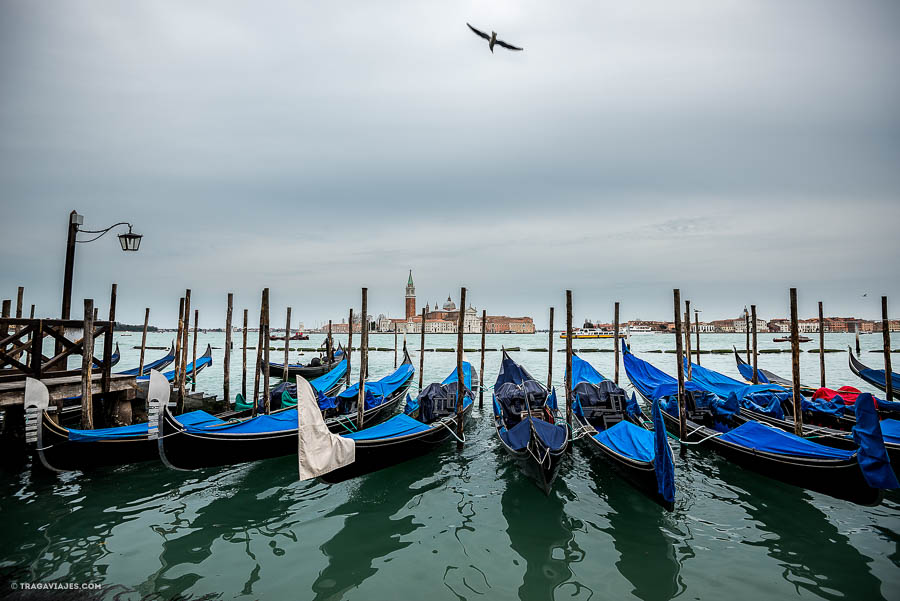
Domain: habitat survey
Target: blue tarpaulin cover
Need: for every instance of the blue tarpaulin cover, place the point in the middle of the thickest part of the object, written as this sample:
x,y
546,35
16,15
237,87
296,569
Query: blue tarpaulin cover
x,y
276,422
629,440
328,380
890,430
664,464
148,366
582,371
189,370
872,457
399,425
747,373
824,406
137,430
632,409
549,435
876,376
757,436
762,398
385,386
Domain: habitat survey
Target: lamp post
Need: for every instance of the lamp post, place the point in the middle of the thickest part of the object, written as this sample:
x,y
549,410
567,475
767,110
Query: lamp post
x,y
129,242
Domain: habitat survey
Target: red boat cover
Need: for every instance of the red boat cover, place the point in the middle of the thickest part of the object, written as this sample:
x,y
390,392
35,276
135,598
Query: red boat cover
x,y
847,394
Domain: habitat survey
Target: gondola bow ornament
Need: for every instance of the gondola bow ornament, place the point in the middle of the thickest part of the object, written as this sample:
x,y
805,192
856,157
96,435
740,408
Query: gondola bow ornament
x,y
318,450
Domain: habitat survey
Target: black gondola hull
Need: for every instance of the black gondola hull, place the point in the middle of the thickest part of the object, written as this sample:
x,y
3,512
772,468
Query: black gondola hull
x,y
57,452
839,478
543,471
374,455
185,450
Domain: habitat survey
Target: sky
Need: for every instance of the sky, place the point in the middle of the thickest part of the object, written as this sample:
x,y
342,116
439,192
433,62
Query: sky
x,y
731,149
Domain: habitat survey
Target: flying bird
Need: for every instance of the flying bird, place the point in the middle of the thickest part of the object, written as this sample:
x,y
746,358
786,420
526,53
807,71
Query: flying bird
x,y
492,39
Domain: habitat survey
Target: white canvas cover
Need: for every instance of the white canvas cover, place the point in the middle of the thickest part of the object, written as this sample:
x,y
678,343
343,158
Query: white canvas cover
x,y
319,451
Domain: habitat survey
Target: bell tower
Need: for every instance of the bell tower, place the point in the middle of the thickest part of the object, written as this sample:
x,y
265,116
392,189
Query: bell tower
x,y
410,297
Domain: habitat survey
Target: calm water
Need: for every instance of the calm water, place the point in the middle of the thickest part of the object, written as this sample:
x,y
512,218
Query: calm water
x,y
453,525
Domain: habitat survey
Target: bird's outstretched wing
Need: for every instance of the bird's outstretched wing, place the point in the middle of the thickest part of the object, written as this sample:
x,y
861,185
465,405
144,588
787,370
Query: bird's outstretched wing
x,y
507,46
480,33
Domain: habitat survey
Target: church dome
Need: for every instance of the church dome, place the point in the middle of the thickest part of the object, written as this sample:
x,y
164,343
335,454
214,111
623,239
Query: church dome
x,y
449,305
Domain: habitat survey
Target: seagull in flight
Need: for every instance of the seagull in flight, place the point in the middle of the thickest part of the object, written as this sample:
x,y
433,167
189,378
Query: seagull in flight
x,y
492,39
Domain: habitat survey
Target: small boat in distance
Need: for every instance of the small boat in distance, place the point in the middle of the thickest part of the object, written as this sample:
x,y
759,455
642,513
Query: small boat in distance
x,y
788,339
589,333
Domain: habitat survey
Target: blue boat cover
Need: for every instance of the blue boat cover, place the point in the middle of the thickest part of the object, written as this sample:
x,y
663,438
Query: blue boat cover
x,y
582,371
872,457
148,366
762,398
467,375
876,377
276,422
549,435
629,440
632,409
189,370
327,381
747,373
383,387
890,430
137,430
399,425
823,406
755,435
665,463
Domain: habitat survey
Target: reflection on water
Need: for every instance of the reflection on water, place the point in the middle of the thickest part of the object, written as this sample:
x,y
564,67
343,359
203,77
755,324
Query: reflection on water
x,y
370,532
647,557
542,534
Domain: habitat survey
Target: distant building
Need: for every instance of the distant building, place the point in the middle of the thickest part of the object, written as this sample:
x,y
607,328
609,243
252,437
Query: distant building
x,y
445,320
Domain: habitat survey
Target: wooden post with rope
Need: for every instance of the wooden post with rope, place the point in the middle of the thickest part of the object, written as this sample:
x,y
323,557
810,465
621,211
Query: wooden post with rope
x,y
679,352
460,372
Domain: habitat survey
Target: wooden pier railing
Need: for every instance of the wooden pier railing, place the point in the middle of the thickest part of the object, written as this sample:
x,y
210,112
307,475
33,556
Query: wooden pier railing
x,y
20,337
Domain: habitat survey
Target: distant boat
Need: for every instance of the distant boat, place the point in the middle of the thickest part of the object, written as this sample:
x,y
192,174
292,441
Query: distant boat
x,y
639,329
589,333
788,339
297,336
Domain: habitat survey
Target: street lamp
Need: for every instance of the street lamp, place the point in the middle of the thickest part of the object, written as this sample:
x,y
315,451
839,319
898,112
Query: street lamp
x,y
129,242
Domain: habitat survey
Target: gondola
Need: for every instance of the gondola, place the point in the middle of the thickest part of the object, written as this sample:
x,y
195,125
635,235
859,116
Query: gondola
x,y
828,422
767,450
284,395
315,368
190,371
158,365
427,421
875,377
186,446
526,423
65,449
765,376
72,405
613,425
113,359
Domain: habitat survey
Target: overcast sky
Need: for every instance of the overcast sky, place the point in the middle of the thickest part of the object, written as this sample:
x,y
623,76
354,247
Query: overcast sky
x,y
730,148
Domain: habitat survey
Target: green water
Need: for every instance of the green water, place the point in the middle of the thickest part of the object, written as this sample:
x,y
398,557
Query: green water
x,y
451,525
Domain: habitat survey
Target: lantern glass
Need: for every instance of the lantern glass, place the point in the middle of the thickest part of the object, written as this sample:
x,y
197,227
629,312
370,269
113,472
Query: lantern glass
x,y
130,241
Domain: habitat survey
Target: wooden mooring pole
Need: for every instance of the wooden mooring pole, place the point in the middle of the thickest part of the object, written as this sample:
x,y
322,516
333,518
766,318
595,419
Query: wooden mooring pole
x,y
266,365
329,345
194,355
244,360
795,365
857,340
144,340
460,372
886,337
747,330
697,328
755,348
363,358
481,372
568,364
108,351
821,346
687,337
177,365
287,343
349,344
20,298
550,354
395,345
257,373
184,350
616,343
422,351
226,364
682,418
87,360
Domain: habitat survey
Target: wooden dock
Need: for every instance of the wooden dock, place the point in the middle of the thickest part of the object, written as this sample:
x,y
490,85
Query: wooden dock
x,y
13,393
